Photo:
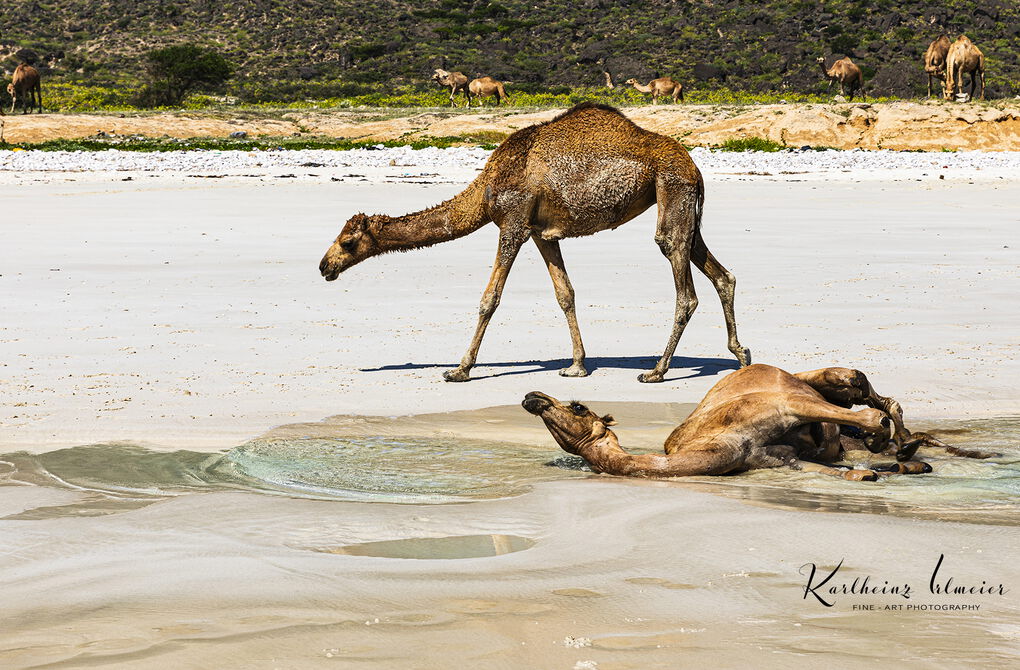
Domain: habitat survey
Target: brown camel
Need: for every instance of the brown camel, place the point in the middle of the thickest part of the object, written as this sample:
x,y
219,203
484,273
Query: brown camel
x,y
964,57
457,82
590,169
935,60
757,417
659,87
483,87
848,75
25,81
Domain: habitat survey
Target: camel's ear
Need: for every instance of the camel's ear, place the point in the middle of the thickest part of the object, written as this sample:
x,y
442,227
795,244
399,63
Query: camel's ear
x,y
358,222
609,420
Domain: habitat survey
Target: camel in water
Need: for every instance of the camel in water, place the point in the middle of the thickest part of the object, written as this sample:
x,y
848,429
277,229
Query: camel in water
x,y
590,169
25,81
757,417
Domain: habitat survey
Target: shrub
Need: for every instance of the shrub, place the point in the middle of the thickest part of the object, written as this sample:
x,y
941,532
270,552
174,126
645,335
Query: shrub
x,y
176,71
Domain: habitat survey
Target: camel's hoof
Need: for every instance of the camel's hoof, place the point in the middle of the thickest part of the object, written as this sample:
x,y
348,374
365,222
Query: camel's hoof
x,y
574,371
650,377
910,468
860,475
744,357
457,375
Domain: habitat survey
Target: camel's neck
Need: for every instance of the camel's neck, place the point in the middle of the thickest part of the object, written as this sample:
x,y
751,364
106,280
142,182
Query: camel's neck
x,y
642,87
825,72
464,213
606,455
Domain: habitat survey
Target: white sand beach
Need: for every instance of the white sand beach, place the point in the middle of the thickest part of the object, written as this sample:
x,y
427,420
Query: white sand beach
x,y
164,314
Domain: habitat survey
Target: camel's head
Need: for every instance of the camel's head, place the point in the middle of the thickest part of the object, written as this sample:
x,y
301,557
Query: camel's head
x,y
631,81
440,75
821,59
572,425
355,243
10,89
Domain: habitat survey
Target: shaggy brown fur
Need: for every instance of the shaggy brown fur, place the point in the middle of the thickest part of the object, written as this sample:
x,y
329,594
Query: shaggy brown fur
x,y
659,87
848,75
757,417
588,170
964,58
935,60
25,81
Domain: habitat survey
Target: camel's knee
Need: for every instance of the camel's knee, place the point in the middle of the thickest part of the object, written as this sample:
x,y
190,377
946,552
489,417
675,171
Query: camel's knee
x,y
686,304
565,297
665,243
488,305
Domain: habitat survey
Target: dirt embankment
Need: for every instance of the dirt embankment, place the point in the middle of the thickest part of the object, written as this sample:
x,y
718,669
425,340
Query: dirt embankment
x,y
900,125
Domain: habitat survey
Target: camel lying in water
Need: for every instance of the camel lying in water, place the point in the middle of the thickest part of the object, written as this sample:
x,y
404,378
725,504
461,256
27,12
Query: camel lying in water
x,y
757,417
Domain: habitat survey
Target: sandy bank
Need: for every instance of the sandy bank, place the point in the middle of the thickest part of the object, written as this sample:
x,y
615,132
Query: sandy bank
x,y
929,126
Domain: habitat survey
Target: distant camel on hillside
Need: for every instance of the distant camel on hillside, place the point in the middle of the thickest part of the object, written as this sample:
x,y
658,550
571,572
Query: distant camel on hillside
x,y
848,75
935,60
25,81
964,57
457,81
660,87
483,87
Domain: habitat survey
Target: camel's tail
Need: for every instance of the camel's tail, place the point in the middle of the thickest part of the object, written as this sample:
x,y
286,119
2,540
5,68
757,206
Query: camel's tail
x,y
699,205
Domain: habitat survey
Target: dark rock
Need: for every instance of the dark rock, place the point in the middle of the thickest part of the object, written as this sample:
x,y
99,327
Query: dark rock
x,y
705,71
239,134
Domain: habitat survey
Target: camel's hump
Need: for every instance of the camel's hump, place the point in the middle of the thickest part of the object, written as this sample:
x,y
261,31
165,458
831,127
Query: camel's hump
x,y
588,106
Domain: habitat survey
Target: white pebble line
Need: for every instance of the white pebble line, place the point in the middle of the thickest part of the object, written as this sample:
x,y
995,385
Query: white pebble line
x,y
474,158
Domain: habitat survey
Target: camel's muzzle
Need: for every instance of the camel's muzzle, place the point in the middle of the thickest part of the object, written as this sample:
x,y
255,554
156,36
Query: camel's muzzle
x,y
328,269
537,402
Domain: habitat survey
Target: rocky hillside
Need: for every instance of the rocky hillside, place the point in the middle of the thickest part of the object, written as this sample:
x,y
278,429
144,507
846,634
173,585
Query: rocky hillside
x,y
762,46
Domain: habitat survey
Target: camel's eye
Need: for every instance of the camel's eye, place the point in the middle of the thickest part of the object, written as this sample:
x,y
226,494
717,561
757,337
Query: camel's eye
x,y
349,245
578,408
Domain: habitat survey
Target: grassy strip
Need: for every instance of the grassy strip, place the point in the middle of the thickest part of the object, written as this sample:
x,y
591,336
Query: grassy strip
x,y
77,97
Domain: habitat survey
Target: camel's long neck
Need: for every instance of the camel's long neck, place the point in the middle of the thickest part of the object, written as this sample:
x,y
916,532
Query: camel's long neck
x,y
606,455
464,213
825,72
642,87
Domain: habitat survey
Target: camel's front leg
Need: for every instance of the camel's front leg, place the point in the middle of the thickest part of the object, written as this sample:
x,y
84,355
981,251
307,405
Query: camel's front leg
x,y
550,251
847,387
509,245
852,475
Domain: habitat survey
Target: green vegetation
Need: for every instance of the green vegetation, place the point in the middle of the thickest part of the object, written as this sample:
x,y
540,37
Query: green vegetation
x,y
337,53
751,144
155,144
176,71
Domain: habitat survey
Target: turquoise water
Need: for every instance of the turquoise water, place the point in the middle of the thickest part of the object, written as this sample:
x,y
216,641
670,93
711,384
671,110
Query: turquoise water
x,y
118,477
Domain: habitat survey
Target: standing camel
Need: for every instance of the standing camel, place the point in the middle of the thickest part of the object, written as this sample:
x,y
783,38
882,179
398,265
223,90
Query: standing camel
x,y
848,75
589,169
658,87
935,60
25,81
483,87
964,57
457,82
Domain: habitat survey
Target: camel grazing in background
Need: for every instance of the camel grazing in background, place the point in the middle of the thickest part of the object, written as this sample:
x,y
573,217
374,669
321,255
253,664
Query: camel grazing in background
x,y
483,87
25,82
848,75
589,169
935,60
964,57
757,417
663,86
457,81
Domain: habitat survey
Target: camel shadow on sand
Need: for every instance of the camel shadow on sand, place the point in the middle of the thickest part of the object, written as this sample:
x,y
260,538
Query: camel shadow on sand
x,y
688,367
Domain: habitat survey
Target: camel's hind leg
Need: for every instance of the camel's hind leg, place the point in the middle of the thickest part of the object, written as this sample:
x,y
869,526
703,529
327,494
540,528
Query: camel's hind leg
x,y
550,251
725,285
679,205
847,387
